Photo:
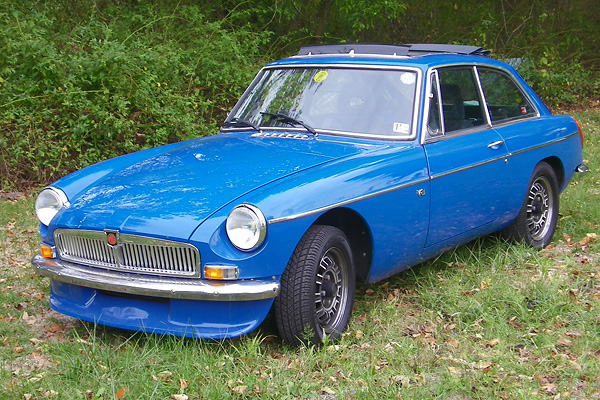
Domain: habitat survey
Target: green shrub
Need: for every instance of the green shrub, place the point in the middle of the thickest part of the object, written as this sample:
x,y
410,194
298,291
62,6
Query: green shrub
x,y
74,92
82,81
559,81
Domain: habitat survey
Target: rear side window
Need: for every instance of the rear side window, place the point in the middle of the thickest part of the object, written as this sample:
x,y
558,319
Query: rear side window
x,y
505,100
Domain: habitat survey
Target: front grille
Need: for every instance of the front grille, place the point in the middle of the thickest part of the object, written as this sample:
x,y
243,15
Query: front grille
x,y
132,253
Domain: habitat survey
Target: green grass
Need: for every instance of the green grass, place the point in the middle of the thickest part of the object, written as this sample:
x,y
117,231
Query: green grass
x,y
486,320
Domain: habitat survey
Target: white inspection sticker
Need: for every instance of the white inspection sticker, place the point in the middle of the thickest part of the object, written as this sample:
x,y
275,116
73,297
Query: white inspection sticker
x,y
401,128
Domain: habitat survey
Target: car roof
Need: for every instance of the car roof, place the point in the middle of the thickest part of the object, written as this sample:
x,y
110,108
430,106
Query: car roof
x,y
421,56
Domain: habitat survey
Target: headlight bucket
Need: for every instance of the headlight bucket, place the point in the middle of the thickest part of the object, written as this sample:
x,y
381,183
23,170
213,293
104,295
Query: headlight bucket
x,y
246,227
48,203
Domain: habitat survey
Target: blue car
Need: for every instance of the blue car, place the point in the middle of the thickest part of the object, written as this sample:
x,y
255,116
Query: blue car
x,y
344,162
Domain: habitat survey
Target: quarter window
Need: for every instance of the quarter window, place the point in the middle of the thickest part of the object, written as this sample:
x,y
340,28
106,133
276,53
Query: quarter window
x,y
505,100
434,125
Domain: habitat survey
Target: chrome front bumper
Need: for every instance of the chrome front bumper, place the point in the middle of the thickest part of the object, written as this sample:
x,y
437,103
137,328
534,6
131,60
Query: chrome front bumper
x,y
144,285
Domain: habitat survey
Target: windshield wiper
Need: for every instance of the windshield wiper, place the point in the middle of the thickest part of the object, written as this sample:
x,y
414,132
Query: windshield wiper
x,y
240,122
287,119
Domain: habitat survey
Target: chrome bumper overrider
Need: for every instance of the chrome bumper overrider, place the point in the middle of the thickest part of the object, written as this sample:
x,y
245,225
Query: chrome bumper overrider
x,y
143,285
582,170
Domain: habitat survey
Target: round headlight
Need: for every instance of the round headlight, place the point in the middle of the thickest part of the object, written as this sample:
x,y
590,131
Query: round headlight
x,y
246,227
48,203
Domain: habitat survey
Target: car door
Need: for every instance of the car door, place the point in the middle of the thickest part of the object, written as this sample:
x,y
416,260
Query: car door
x,y
467,160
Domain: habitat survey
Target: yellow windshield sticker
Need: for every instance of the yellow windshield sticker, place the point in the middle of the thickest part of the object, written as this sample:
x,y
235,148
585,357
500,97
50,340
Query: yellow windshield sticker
x,y
320,76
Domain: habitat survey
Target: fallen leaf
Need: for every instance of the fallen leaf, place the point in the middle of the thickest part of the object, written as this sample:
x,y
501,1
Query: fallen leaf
x,y
575,365
120,393
453,343
564,342
56,328
239,389
493,342
404,381
327,390
550,388
183,383
164,376
568,239
179,397
390,347
484,365
573,294
28,319
450,327
453,370
574,334
589,238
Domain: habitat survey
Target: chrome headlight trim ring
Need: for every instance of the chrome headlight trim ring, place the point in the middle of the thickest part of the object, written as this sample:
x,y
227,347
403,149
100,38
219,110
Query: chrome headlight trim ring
x,y
49,202
246,227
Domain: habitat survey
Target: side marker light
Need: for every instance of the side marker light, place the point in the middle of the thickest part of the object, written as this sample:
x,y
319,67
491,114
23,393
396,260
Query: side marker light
x,y
47,251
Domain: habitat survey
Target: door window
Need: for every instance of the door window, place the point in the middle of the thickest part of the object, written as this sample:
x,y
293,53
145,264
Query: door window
x,y
455,101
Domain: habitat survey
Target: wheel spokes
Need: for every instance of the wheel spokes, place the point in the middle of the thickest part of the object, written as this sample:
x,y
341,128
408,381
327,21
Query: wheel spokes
x,y
539,208
330,289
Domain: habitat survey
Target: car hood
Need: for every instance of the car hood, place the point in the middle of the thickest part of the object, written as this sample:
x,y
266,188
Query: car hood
x,y
170,192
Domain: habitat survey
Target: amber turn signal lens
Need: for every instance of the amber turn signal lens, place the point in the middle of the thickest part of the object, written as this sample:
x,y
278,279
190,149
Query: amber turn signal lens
x,y
220,273
46,251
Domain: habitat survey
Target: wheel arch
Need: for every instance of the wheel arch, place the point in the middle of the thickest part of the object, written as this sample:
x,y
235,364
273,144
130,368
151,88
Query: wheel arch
x,y
559,169
358,233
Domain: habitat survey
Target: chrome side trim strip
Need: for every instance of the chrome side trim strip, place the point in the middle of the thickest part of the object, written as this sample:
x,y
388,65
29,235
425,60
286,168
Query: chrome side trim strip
x,y
453,171
368,196
345,203
144,285
539,146
505,156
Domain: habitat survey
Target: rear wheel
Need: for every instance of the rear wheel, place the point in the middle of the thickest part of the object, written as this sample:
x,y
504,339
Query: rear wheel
x,y
536,222
317,288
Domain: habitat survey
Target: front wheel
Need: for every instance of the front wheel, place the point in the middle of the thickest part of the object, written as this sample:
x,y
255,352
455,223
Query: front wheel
x,y
317,288
536,222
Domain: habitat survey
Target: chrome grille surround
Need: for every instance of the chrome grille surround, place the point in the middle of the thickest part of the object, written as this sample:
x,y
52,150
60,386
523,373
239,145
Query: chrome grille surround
x,y
132,253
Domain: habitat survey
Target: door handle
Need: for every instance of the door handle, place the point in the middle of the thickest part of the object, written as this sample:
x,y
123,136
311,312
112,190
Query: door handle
x,y
495,145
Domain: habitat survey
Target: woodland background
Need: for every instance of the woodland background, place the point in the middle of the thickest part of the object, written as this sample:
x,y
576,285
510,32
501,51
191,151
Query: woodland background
x,y
84,80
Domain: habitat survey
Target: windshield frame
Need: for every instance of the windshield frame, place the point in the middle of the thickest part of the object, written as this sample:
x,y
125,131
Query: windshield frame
x,y
396,137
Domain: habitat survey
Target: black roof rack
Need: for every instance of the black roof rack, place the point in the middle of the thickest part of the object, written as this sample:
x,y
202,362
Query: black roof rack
x,y
392,49
425,48
355,48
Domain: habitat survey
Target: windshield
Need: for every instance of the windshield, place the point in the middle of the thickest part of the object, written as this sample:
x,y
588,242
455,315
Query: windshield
x,y
337,100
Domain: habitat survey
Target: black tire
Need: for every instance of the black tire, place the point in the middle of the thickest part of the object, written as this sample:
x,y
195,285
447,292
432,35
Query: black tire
x,y
536,222
317,288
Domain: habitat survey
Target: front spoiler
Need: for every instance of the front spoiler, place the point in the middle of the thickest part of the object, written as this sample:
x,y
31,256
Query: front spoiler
x,y
145,285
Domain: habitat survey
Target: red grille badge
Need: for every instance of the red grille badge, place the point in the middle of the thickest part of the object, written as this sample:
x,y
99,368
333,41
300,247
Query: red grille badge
x,y
112,238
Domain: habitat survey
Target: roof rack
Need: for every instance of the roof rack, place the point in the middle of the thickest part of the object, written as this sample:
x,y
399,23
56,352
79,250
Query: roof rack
x,y
355,48
425,48
391,49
